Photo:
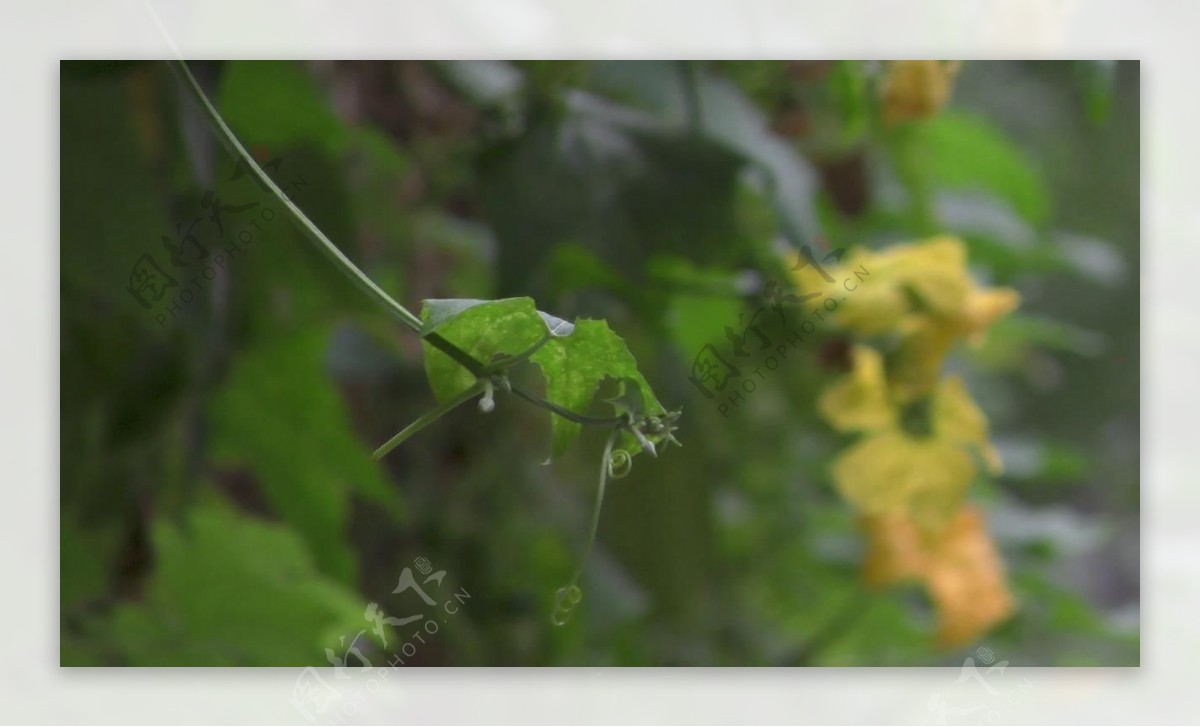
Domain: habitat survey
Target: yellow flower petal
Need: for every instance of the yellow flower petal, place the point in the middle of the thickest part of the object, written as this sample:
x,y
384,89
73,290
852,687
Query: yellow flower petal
x,y
902,285
935,270
858,400
892,472
957,418
959,567
809,279
895,550
873,309
919,360
985,307
965,578
916,89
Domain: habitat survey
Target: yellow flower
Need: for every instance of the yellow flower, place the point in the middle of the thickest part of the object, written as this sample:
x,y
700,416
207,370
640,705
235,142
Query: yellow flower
x,y
894,473
959,567
929,339
884,289
916,89
922,435
921,291
916,458
859,401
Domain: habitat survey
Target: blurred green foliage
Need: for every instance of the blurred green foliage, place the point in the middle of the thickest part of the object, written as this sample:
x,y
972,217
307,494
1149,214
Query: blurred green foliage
x,y
219,505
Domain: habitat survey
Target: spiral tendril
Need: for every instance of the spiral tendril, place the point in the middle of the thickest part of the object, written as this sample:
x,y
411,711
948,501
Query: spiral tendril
x,y
569,596
620,462
565,601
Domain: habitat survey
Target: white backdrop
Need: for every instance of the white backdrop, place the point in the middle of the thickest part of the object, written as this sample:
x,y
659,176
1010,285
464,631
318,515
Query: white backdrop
x,y
37,35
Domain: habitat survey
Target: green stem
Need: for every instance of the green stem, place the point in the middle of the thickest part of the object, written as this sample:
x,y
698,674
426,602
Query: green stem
x,y
567,413
323,243
524,355
428,418
595,526
368,286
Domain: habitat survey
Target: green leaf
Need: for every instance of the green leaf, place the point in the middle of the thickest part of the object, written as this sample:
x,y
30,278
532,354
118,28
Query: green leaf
x,y
87,557
575,366
618,182
277,104
486,83
1097,79
483,329
967,152
230,590
281,414
575,359
112,210
284,282
732,122
849,90
440,311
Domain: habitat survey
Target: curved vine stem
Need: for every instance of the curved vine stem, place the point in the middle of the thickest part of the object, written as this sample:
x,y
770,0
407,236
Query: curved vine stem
x,y
511,361
323,243
583,419
365,284
428,418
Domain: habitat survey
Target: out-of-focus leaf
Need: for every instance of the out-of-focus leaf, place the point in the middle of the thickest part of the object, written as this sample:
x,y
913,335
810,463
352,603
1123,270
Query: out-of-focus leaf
x,y
1010,341
573,268
1097,79
1093,259
1008,247
112,204
487,83
966,152
279,282
848,86
277,104
280,413
1026,459
700,302
1067,531
730,119
681,274
230,590
87,556
618,182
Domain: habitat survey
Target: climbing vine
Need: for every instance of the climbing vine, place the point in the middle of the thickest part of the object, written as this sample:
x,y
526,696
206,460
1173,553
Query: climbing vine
x,y
471,345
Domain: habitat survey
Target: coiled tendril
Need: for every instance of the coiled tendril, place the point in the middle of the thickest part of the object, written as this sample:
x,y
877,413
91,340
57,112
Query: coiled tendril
x,y
615,464
620,463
